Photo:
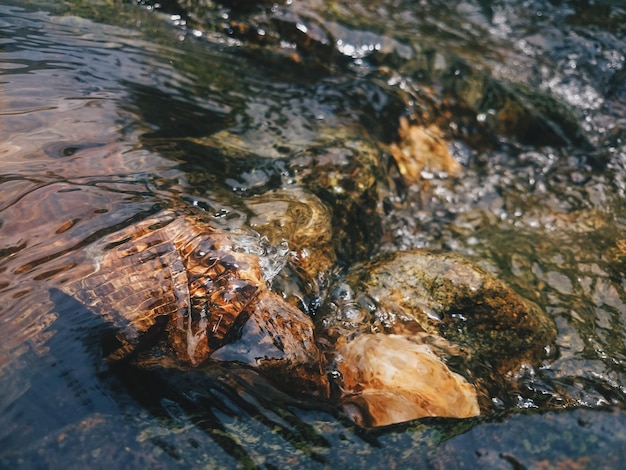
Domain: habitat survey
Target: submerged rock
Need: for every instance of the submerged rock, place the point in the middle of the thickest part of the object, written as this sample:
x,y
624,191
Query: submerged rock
x,y
180,284
278,341
299,219
441,305
345,173
442,294
421,149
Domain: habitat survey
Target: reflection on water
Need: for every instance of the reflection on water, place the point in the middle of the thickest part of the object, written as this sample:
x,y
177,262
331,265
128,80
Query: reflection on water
x,y
113,112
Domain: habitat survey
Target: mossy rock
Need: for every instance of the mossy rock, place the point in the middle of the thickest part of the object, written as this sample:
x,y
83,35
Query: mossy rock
x,y
345,174
444,295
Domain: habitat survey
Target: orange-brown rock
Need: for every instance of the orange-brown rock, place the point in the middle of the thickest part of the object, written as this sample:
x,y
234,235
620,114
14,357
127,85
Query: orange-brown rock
x,y
421,149
176,280
389,379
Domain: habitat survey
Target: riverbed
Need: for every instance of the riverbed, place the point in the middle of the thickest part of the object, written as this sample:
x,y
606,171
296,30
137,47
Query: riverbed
x,y
111,111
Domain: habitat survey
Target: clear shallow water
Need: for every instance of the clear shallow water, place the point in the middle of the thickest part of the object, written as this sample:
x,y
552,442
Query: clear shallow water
x,y
111,112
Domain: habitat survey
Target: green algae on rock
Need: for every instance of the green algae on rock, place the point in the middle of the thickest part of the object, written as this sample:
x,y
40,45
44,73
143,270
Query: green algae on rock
x,y
440,294
426,314
345,173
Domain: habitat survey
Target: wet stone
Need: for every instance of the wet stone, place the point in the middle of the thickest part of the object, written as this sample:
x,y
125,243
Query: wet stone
x,y
278,341
438,299
300,223
388,379
345,174
177,291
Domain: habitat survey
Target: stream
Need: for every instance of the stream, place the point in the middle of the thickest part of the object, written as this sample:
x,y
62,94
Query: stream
x,y
114,110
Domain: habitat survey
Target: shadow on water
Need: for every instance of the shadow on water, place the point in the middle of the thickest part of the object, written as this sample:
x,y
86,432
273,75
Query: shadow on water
x,y
218,400
66,385
182,117
74,395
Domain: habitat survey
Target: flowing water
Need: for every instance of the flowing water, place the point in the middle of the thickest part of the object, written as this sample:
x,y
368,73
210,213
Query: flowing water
x,y
111,111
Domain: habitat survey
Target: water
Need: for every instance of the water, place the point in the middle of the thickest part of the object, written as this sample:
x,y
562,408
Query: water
x,y
111,112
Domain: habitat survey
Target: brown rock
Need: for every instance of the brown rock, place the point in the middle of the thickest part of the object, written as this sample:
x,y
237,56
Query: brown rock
x,y
176,281
389,379
278,340
446,295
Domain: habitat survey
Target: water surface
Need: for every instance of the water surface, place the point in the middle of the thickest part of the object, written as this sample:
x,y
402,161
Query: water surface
x,y
112,111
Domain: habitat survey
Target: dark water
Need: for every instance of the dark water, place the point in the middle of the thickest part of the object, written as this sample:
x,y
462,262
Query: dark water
x,y
111,110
